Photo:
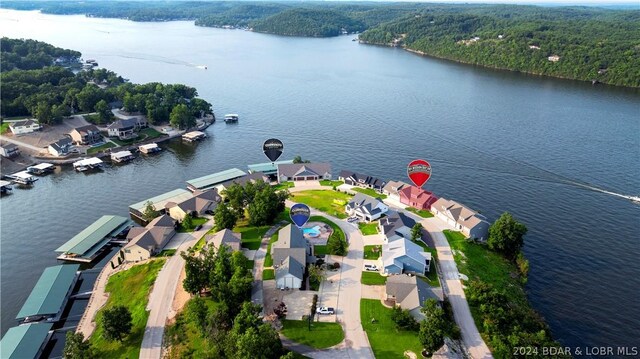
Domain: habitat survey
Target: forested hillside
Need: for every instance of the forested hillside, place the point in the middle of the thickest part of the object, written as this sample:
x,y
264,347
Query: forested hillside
x,y
582,43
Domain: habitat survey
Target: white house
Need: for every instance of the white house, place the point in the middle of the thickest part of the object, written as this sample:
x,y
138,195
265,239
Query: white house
x,y
25,126
61,147
9,150
366,207
289,274
396,226
469,222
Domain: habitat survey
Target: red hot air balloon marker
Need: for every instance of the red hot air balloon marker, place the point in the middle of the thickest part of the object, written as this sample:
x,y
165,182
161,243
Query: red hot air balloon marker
x,y
419,171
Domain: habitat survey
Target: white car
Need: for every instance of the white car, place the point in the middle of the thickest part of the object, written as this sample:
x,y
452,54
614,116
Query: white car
x,y
371,267
325,310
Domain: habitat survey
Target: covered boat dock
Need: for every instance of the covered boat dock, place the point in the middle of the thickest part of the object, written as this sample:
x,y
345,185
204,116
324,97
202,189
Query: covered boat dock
x,y
177,196
268,168
25,341
210,181
41,168
86,245
50,294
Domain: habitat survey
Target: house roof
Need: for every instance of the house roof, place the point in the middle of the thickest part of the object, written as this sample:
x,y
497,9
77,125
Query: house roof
x,y
253,177
201,201
417,195
393,251
154,234
213,179
362,179
123,123
24,341
50,291
9,146
177,195
290,266
23,123
86,129
226,237
61,143
162,221
460,213
394,186
303,169
365,203
268,167
410,292
394,222
91,239
291,243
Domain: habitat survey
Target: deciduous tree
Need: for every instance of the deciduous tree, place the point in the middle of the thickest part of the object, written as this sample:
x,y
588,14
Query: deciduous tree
x,y
75,347
224,217
506,236
116,323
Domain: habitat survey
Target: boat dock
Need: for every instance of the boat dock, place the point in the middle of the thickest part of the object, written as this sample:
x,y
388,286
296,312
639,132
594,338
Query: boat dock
x,y
25,341
5,186
88,164
268,168
149,148
210,181
89,243
194,136
41,168
121,156
23,177
158,202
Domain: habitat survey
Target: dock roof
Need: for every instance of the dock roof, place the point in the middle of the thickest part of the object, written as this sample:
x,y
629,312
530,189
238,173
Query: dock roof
x,y
49,293
268,167
213,179
21,341
177,196
94,237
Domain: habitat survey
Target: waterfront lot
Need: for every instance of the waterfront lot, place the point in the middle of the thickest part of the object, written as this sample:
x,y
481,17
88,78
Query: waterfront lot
x,y
328,201
386,341
369,192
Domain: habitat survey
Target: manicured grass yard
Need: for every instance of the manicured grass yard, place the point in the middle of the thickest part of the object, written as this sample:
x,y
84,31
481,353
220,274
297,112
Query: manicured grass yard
x,y
372,252
373,278
194,223
432,275
167,253
268,260
103,147
251,235
386,341
420,212
143,135
4,127
330,183
370,192
320,249
268,274
328,201
284,185
368,229
322,335
129,288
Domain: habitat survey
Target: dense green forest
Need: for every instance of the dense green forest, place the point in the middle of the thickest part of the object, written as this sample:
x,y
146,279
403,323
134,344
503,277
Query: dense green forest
x,y
51,90
583,43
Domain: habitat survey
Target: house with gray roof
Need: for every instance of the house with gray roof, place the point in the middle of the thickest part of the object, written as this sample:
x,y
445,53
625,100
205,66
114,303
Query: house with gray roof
x,y
86,135
361,180
225,237
303,172
242,180
148,241
202,202
125,129
471,223
61,147
392,189
366,207
396,226
289,252
410,293
9,150
404,256
24,126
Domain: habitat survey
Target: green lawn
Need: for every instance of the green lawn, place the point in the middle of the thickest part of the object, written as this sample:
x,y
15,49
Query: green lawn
x,y
370,192
129,288
284,185
328,201
250,264
194,223
368,228
199,244
251,235
167,253
322,335
373,278
103,147
432,275
420,212
143,135
268,260
372,252
4,127
386,341
268,274
320,249
330,183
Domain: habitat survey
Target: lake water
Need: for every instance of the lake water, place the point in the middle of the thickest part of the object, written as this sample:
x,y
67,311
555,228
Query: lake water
x,y
497,142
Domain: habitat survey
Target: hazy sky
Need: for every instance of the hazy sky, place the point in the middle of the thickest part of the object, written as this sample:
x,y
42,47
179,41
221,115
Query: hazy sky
x,y
550,2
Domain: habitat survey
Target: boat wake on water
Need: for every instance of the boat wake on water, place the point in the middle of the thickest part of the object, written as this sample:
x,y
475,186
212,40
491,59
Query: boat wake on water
x,y
159,59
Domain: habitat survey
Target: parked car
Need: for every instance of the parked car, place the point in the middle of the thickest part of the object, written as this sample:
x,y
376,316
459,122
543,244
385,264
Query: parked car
x,y
325,310
198,227
371,267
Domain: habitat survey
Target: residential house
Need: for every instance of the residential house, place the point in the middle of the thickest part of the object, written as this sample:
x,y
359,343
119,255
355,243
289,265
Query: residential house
x,y
9,150
61,147
225,237
251,177
127,128
86,135
396,226
25,126
200,203
289,255
416,197
404,256
410,293
471,223
148,241
360,180
304,172
366,207
392,189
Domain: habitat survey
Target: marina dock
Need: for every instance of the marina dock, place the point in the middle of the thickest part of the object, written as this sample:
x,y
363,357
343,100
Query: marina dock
x,y
149,148
25,341
121,156
23,177
41,168
210,181
88,164
89,243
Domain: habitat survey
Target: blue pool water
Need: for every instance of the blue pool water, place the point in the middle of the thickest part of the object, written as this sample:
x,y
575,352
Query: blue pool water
x,y
312,232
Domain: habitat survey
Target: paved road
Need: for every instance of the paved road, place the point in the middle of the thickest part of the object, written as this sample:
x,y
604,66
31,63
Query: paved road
x,y
22,144
162,294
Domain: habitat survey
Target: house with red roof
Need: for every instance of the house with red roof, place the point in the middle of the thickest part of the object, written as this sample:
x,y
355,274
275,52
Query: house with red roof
x,y
416,197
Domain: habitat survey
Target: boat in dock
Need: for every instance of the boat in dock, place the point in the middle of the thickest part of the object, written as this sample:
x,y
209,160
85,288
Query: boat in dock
x,y
149,148
194,136
88,164
5,186
41,168
23,177
121,156
231,117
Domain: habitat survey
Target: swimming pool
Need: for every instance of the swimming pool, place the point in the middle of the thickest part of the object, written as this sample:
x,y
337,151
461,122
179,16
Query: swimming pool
x,y
312,232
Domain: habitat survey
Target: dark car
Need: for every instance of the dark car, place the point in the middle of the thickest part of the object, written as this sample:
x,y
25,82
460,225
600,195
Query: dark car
x,y
198,227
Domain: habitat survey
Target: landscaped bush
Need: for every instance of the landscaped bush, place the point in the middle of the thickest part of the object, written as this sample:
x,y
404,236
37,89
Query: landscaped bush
x,y
403,319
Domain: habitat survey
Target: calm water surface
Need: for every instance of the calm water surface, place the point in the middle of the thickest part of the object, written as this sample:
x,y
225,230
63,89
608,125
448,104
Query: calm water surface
x,y
497,141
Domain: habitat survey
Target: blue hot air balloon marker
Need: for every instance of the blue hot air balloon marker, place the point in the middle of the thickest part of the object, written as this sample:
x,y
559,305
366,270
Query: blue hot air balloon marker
x,y
300,214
